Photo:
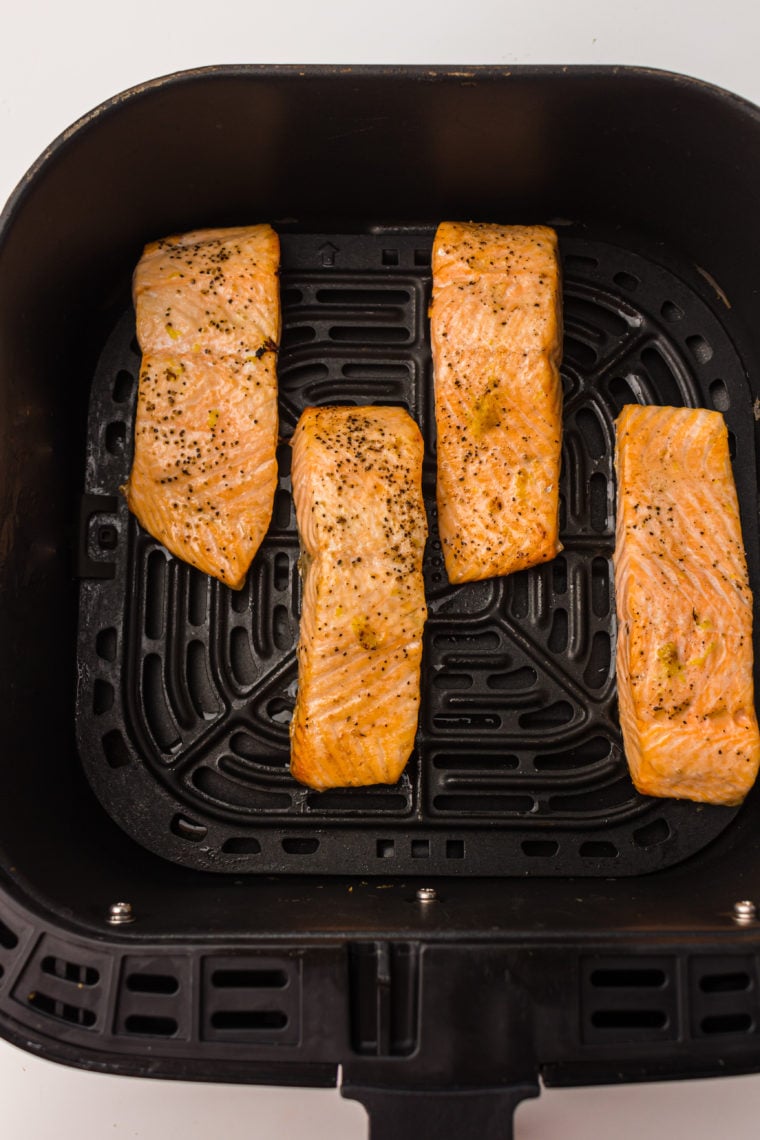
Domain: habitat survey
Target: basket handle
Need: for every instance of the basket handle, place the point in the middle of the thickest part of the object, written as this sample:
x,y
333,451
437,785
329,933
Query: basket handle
x,y
447,1114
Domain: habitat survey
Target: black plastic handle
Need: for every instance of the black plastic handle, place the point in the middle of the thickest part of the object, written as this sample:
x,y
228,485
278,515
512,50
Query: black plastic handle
x,y
457,1114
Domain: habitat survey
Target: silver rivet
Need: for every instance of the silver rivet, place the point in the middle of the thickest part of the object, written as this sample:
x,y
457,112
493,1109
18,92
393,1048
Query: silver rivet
x,y
119,913
744,912
427,894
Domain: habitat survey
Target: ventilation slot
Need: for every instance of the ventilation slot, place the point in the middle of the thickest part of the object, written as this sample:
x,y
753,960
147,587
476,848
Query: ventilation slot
x,y
249,979
629,999
147,1025
62,1011
724,997
241,845
295,846
70,971
256,999
8,939
152,984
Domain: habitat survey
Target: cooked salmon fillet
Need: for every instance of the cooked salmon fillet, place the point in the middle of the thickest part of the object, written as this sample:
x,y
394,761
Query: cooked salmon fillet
x,y
495,327
357,475
684,606
208,322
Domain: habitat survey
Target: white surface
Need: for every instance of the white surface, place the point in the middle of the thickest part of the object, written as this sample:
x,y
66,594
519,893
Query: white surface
x,y
59,60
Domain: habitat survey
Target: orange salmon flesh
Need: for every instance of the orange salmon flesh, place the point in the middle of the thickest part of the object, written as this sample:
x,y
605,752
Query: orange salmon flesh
x,y
357,484
495,328
204,472
684,609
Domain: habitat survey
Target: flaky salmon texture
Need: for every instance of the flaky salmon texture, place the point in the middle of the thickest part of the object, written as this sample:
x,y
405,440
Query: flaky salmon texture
x,y
496,338
204,472
684,606
357,475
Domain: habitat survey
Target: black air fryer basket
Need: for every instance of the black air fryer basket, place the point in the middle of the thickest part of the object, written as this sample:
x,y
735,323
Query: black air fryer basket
x,y
172,903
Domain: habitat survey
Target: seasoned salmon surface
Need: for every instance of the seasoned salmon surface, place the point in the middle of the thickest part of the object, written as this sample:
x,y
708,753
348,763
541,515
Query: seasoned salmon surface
x,y
208,322
495,327
357,475
684,607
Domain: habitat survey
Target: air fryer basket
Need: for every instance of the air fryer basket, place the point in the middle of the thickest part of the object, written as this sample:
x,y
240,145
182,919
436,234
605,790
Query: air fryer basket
x,y
570,927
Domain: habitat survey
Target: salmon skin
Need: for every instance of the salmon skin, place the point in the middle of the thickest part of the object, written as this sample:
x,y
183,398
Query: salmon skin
x,y
684,609
495,328
357,484
204,472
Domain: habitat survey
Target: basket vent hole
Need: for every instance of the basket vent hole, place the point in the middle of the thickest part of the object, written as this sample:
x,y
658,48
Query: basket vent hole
x,y
155,590
241,658
146,1025
559,575
600,587
598,668
242,1019
540,848
157,715
115,749
70,971
554,715
720,397
652,833
725,983
623,979
122,386
592,433
558,632
185,828
671,312
726,1023
152,984
598,849
281,572
390,257
598,507
116,437
281,634
422,258
197,597
105,644
8,939
455,848
700,349
626,281
61,1010
385,848
629,1019
588,752
280,711
420,849
284,460
102,697
241,845
300,846
249,979
732,444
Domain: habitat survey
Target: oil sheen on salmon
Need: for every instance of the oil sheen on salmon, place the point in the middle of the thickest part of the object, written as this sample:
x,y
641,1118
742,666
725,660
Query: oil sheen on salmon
x,y
684,609
204,472
495,326
357,484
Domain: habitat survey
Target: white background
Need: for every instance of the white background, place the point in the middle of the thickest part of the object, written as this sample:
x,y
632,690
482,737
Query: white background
x,y
58,60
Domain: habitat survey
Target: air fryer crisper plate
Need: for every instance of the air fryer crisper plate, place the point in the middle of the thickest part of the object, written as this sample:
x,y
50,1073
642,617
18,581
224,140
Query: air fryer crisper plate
x,y
186,687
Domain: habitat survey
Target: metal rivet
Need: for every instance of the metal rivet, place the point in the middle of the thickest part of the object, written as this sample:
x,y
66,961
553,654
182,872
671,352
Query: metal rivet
x,y
120,913
745,911
427,894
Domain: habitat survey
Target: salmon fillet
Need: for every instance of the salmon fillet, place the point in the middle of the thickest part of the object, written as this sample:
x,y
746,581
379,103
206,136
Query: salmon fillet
x,y
684,607
496,337
357,475
208,322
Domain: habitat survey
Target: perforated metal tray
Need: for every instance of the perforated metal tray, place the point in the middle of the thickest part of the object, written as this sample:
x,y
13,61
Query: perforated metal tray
x,y
185,688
